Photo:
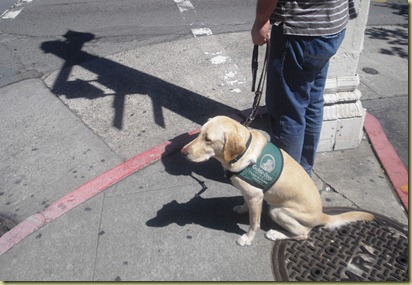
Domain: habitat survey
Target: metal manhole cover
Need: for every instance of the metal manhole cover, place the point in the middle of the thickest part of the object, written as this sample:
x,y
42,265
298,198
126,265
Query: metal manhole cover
x,y
6,224
360,251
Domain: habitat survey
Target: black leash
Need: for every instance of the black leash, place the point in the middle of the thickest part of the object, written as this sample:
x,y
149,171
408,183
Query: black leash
x,y
259,90
255,65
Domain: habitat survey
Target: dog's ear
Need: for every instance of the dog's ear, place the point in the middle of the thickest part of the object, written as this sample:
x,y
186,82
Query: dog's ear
x,y
234,145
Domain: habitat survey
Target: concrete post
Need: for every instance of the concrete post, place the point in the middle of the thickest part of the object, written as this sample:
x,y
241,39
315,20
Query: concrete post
x,y
343,113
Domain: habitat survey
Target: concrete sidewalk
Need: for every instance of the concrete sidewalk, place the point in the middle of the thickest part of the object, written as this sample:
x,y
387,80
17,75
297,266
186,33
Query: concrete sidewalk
x,y
171,220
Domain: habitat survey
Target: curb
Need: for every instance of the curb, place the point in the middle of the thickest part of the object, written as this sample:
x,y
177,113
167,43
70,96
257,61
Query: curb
x,y
384,150
393,166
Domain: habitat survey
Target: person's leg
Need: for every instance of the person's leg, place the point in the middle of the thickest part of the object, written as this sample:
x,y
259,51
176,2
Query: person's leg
x,y
294,66
314,119
284,107
322,48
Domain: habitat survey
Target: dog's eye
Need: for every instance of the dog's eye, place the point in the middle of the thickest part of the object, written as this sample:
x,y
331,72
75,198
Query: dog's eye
x,y
208,140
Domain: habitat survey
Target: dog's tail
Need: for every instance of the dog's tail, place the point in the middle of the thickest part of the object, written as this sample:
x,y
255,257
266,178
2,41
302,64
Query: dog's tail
x,y
335,221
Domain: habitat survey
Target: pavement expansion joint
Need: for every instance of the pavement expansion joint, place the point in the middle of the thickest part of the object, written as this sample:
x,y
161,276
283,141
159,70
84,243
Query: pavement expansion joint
x,y
328,188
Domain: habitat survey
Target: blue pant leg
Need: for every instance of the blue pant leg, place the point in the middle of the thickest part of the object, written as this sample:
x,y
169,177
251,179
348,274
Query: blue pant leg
x,y
314,120
317,56
287,96
294,97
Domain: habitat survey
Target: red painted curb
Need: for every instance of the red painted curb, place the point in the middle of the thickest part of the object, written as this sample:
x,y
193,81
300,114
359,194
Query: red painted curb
x,y
386,154
394,168
90,189
19,232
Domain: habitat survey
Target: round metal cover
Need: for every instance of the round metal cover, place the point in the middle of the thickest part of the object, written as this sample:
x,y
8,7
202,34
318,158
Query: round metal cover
x,y
6,224
359,251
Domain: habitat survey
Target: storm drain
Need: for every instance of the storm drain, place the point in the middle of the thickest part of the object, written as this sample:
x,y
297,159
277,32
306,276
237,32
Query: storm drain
x,y
360,251
6,224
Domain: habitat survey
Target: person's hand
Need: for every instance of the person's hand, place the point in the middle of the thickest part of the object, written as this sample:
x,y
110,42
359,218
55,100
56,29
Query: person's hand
x,y
260,32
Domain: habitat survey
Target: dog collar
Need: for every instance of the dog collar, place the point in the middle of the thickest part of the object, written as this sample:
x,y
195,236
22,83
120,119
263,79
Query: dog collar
x,y
265,172
236,159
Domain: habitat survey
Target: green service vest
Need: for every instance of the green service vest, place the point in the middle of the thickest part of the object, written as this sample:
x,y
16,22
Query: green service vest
x,y
267,169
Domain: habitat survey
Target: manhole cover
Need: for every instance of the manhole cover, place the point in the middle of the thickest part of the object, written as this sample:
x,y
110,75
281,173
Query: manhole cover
x,y
6,224
370,70
360,251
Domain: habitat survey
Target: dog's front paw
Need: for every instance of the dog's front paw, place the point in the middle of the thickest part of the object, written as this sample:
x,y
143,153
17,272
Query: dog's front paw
x,y
244,240
241,209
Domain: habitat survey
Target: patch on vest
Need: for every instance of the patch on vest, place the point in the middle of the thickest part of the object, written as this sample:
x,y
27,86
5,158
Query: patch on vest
x,y
267,169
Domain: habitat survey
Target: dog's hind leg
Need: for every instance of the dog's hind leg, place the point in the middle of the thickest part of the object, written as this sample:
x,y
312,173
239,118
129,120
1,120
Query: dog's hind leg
x,y
294,229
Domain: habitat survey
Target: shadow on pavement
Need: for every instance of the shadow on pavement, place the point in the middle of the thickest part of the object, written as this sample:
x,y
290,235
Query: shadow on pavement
x,y
213,213
397,38
124,81
177,165
398,9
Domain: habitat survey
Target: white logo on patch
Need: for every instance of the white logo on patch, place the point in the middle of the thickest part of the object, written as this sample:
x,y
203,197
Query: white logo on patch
x,y
268,163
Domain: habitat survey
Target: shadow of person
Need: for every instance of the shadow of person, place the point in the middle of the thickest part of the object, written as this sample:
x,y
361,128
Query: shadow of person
x,y
124,80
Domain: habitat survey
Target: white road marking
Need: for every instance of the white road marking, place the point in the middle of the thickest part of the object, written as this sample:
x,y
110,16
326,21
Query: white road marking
x,y
11,14
22,2
184,5
198,32
186,8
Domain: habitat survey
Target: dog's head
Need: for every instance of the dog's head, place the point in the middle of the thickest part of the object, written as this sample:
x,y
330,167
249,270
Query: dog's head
x,y
221,137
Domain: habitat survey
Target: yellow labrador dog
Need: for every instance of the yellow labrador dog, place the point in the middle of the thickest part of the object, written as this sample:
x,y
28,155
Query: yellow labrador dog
x,y
294,199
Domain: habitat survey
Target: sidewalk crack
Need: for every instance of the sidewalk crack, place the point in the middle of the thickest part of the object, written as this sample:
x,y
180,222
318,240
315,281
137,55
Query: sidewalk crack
x,y
329,188
98,236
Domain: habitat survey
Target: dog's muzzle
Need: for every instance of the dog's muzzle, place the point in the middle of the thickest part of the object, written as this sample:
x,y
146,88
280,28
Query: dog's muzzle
x,y
184,151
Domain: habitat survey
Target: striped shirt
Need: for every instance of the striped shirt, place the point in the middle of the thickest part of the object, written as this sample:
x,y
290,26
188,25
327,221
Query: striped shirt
x,y
313,17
